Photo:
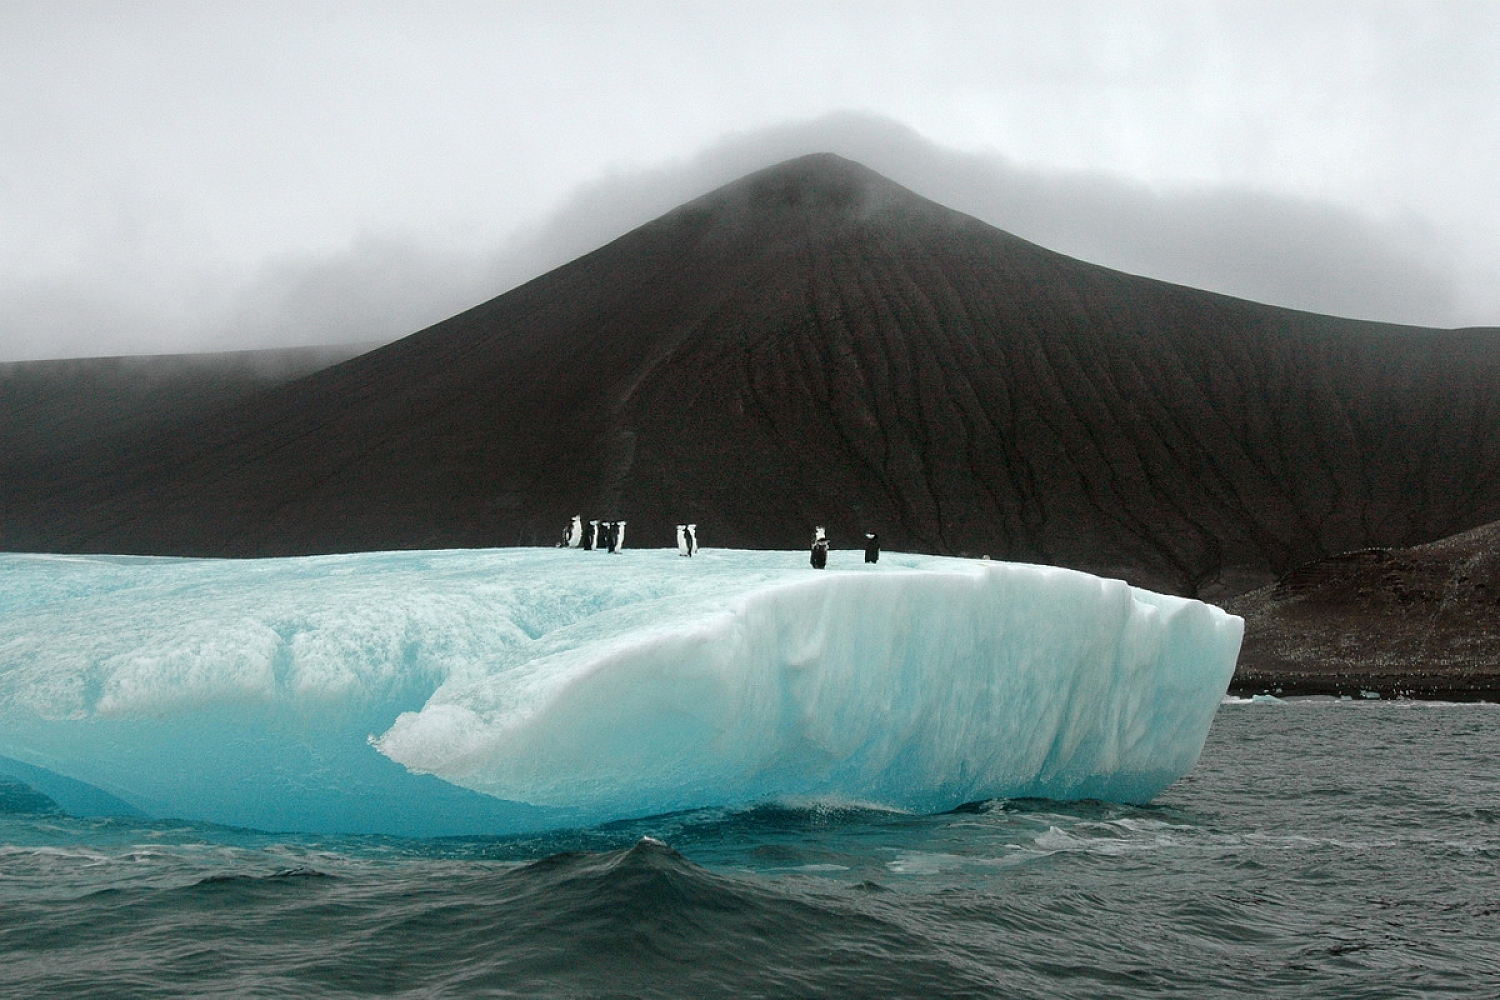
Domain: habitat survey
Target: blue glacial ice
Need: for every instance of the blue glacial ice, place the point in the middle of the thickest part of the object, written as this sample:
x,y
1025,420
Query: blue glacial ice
x,y
462,692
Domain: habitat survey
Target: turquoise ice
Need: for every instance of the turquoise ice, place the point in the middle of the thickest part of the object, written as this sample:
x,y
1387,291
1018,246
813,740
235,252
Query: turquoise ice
x,y
491,691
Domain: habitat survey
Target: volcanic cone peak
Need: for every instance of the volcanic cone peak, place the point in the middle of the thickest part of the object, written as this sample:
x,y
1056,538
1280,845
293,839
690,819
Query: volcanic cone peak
x,y
819,184
818,204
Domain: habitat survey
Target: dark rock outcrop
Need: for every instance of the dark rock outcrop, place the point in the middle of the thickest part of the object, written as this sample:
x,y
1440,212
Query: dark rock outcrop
x,y
1421,621
814,344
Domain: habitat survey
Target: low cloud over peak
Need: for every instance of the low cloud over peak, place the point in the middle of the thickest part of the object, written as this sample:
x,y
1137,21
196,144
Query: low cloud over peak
x,y
383,285
1255,245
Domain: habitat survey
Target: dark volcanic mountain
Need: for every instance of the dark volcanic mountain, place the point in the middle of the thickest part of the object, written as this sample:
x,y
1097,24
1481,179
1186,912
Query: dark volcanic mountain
x,y
1422,621
811,345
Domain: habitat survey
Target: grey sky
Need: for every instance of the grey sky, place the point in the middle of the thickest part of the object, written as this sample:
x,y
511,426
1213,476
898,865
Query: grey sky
x,y
212,175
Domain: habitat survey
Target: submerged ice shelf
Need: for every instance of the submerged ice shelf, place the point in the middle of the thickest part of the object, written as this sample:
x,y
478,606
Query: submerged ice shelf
x,y
453,692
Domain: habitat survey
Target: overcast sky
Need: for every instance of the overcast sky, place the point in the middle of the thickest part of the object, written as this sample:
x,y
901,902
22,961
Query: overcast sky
x,y
219,175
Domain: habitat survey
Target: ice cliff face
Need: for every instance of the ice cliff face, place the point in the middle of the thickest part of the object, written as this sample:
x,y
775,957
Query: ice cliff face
x,y
490,691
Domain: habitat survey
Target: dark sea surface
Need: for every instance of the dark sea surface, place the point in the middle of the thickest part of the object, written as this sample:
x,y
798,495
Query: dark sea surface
x,y
1320,849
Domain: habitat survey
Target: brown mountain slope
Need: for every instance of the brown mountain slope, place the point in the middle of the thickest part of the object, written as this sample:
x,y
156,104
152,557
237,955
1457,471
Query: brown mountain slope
x,y
1421,621
815,344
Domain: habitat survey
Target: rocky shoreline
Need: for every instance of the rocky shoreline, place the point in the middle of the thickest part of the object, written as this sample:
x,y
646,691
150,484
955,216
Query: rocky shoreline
x,y
1417,685
1420,622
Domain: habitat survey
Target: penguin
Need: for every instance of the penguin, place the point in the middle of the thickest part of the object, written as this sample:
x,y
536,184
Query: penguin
x,y
575,532
872,547
692,539
682,545
591,537
610,527
619,545
819,548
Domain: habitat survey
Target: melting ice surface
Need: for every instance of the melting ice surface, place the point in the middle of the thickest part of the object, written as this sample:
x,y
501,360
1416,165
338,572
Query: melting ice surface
x,y
453,692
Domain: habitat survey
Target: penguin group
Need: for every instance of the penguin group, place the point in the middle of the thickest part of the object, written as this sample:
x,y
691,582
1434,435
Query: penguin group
x,y
608,535
819,557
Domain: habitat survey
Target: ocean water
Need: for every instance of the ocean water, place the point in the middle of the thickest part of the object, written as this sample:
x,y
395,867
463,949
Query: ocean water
x,y
1320,849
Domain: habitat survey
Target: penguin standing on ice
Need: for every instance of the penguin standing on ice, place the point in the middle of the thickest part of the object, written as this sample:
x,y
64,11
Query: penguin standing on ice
x,y
591,537
872,547
619,545
687,539
575,533
692,539
819,548
682,548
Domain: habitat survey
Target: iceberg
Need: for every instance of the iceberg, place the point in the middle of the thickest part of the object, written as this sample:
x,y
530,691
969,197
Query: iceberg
x,y
496,691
